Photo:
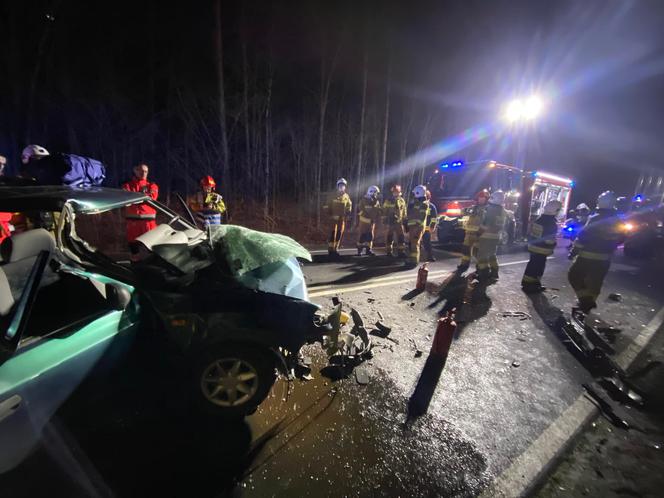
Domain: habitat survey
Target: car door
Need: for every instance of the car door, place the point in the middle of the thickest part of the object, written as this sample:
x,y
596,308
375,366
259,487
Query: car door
x,y
48,365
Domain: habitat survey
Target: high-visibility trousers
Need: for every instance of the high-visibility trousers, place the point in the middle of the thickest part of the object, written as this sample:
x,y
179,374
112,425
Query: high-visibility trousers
x,y
366,238
396,239
469,249
426,244
136,228
534,270
486,253
337,227
415,233
586,277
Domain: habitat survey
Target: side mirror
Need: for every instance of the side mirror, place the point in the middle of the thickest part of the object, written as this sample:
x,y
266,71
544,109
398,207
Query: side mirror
x,y
118,297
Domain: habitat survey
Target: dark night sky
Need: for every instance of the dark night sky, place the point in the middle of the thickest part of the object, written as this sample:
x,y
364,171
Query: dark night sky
x,y
598,63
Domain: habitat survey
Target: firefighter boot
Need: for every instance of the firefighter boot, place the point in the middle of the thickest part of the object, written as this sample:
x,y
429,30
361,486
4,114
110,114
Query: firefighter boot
x,y
369,252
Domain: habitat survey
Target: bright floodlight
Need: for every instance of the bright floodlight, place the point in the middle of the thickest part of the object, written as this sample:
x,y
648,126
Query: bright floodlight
x,y
523,109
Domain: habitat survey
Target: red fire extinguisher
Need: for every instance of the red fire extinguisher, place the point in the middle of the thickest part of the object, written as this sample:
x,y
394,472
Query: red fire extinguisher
x,y
442,340
422,275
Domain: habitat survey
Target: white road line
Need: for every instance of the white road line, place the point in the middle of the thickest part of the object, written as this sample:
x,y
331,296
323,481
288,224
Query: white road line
x,y
541,456
385,281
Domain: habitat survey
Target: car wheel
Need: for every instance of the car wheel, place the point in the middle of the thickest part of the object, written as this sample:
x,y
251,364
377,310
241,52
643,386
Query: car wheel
x,y
232,380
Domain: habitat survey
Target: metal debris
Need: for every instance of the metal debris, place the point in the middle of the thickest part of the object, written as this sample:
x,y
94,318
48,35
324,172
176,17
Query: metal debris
x,y
521,315
614,296
383,329
516,364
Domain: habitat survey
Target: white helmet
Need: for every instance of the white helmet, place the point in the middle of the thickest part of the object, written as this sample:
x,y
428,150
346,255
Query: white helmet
x,y
582,206
606,200
497,198
420,192
373,190
33,151
342,181
552,207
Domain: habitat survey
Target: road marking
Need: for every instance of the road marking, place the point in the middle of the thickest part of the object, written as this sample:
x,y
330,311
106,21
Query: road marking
x,y
526,470
394,280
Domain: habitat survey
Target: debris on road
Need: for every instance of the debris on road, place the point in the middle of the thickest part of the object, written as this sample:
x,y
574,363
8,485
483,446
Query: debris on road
x,y
380,315
418,351
361,376
371,300
516,364
605,408
521,315
383,329
614,296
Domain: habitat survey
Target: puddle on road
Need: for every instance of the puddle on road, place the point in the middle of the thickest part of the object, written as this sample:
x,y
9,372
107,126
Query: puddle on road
x,y
343,439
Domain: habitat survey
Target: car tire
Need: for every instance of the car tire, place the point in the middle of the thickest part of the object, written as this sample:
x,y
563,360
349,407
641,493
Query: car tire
x,y
231,380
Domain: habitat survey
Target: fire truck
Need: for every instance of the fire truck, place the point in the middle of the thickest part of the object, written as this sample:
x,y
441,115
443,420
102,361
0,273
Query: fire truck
x,y
453,186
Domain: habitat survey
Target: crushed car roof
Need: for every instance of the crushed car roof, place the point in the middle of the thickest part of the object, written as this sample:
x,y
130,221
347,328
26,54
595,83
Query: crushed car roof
x,y
52,198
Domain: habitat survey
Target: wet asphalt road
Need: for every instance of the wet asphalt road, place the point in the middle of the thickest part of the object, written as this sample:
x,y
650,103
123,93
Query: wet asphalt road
x,y
505,381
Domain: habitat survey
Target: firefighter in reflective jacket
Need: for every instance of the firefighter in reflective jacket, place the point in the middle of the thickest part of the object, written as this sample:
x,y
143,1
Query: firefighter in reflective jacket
x,y
337,208
429,229
489,237
369,213
593,249
418,213
542,242
209,206
141,218
472,228
394,214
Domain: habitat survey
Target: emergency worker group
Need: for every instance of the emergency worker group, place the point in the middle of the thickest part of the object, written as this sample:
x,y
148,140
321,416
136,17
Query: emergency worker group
x,y
408,226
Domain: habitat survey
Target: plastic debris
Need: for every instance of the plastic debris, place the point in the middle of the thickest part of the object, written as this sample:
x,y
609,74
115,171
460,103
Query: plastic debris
x,y
516,364
384,329
614,296
521,315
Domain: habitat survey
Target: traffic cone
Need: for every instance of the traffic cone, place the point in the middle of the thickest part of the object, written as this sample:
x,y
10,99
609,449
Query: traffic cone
x,y
442,340
422,275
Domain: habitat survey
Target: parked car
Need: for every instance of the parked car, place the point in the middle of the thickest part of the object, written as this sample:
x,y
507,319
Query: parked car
x,y
230,307
645,237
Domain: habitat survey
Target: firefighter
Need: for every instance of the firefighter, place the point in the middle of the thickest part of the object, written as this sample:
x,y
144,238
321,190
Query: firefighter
x,y
369,212
209,206
471,228
5,218
593,249
418,214
429,229
337,208
489,237
582,212
394,214
140,218
542,242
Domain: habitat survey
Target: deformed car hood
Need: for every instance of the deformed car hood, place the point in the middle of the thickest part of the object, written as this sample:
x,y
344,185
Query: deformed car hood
x,y
246,250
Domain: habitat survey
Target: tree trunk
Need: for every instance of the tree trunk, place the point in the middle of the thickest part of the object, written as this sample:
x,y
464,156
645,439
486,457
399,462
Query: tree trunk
x,y
360,152
266,179
386,122
245,96
226,171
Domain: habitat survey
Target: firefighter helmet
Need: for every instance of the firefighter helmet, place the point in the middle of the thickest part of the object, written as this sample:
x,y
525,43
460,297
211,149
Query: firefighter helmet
x,y
552,207
208,181
342,181
497,198
582,207
420,192
606,200
373,190
482,194
31,151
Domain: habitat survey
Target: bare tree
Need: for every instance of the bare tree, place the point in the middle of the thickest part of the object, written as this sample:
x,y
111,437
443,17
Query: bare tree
x,y
386,120
219,59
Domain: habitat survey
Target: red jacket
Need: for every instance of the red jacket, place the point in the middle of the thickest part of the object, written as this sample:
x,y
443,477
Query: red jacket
x,y
141,211
5,218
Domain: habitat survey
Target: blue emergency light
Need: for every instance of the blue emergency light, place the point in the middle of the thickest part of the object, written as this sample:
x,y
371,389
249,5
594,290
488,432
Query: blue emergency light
x,y
444,166
457,164
638,198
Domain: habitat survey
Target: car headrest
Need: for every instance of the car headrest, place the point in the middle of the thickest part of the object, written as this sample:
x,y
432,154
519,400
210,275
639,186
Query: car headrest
x,y
6,297
28,244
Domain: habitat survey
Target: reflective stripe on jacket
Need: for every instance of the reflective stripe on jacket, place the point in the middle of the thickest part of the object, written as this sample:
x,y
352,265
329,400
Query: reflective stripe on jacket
x,y
369,210
338,205
418,211
394,210
542,235
475,219
601,236
493,222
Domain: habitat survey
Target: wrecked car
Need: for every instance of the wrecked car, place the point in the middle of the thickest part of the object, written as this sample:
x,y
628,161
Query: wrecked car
x,y
228,306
